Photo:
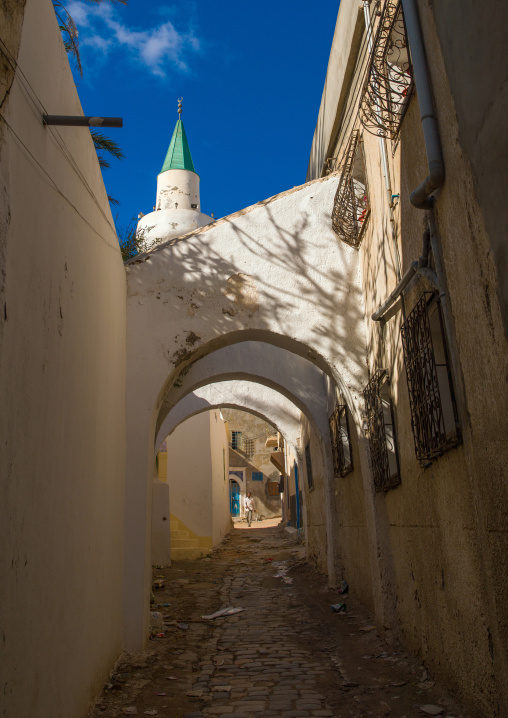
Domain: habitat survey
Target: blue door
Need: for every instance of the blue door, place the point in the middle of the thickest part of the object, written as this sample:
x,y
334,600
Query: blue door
x,y
234,498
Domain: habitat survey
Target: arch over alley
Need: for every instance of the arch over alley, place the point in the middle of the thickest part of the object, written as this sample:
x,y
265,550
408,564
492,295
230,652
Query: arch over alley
x,y
198,304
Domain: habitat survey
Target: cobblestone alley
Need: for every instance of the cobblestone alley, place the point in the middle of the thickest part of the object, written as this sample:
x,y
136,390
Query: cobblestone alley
x,y
286,654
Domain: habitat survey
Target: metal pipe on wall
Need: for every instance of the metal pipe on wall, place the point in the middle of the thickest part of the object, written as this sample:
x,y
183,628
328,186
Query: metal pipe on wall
x,y
420,196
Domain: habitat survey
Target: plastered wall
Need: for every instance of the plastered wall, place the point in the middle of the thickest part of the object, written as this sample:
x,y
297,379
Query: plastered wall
x,y
62,382
316,499
199,494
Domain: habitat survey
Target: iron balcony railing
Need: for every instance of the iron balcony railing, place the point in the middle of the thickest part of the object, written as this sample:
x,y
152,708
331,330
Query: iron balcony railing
x,y
389,81
351,204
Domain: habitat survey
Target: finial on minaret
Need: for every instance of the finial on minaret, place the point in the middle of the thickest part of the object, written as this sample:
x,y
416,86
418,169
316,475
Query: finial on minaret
x,y
180,100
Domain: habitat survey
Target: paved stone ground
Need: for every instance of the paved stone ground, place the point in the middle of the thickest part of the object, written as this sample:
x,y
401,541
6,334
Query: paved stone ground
x,y
287,654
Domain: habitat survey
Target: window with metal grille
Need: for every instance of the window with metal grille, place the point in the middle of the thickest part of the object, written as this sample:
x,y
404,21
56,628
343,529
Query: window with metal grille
x,y
308,464
351,203
236,440
389,82
248,446
381,432
341,444
434,415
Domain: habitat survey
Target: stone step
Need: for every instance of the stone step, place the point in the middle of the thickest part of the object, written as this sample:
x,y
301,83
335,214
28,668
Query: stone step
x,y
183,543
178,534
188,553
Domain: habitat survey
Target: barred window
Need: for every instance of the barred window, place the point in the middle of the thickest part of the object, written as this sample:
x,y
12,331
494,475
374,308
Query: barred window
x,y
381,432
434,417
341,443
351,203
389,83
308,464
237,440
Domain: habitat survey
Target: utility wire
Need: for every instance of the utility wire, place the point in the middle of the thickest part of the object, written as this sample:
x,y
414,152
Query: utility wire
x,y
31,94
57,189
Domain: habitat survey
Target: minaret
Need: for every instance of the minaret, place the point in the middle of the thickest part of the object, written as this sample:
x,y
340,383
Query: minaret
x,y
178,208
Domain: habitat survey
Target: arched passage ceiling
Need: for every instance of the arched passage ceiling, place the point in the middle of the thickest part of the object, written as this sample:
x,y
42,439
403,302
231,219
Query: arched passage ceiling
x,y
263,401
292,376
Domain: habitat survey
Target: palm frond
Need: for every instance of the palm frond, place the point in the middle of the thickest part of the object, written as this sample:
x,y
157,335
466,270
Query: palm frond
x,y
69,32
103,143
112,200
127,239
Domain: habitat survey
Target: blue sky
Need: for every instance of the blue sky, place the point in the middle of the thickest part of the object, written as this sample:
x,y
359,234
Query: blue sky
x,y
251,75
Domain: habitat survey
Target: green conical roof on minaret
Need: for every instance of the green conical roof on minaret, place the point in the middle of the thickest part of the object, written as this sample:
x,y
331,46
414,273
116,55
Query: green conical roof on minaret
x,y
178,156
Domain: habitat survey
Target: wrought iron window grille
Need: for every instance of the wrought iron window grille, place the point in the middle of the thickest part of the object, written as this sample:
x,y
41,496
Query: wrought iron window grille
x,y
341,442
308,465
380,429
434,416
351,204
389,82
237,440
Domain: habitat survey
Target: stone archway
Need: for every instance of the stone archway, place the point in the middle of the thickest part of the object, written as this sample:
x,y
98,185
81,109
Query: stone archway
x,y
272,273
262,401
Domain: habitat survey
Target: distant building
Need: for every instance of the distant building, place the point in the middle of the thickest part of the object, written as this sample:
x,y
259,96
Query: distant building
x,y
251,446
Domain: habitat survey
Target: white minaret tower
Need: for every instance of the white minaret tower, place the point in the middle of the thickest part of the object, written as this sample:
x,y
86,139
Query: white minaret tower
x,y
178,208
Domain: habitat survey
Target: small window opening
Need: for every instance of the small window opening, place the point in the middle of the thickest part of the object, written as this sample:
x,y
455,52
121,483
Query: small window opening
x,y
273,488
434,417
236,440
341,443
380,431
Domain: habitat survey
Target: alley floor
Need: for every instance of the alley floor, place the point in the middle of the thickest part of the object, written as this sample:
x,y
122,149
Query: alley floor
x,y
285,654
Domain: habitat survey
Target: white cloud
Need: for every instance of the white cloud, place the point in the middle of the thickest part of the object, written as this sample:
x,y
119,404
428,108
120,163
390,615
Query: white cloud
x,y
156,48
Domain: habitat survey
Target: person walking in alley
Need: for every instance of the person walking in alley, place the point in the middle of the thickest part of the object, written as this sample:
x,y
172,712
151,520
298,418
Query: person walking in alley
x,y
249,507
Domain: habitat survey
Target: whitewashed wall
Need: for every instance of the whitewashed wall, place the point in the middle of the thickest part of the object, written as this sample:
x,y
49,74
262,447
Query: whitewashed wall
x,y
199,496
62,383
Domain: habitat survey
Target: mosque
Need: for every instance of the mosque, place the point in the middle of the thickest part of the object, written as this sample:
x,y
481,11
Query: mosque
x,y
177,209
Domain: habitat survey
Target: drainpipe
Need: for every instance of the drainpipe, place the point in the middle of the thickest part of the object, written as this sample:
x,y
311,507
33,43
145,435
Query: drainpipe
x,y
420,197
419,266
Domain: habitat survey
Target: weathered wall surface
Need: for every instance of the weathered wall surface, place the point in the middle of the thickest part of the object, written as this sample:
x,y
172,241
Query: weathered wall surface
x,y
473,45
161,524
316,499
190,475
220,477
350,538
62,382
253,455
445,526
